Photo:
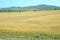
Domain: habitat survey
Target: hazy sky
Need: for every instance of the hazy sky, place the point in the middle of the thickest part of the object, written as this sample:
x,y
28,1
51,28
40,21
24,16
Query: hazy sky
x,y
22,3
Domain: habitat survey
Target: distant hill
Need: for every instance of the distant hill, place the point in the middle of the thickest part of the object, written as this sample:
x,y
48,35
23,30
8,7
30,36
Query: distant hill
x,y
30,8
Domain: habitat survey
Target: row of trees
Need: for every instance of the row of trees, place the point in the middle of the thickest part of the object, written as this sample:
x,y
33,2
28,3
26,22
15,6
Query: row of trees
x,y
10,10
22,10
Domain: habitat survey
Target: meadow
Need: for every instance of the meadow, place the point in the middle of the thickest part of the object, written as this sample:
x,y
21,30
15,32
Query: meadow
x,y
31,25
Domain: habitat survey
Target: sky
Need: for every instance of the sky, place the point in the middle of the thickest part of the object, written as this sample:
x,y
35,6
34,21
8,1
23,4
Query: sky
x,y
22,3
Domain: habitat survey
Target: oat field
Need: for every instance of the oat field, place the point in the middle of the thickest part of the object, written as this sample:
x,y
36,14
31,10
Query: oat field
x,y
31,25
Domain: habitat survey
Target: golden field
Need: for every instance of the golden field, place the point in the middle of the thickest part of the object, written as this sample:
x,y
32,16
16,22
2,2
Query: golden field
x,y
33,21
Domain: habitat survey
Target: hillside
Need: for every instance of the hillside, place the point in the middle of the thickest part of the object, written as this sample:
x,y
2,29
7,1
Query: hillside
x,y
30,8
27,25
46,21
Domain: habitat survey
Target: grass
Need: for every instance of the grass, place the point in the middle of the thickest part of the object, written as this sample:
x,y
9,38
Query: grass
x,y
33,24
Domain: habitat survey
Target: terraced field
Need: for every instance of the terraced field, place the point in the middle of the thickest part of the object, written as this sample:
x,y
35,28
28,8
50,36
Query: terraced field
x,y
33,25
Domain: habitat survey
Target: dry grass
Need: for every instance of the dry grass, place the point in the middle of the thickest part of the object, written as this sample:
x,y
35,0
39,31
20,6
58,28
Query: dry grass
x,y
35,21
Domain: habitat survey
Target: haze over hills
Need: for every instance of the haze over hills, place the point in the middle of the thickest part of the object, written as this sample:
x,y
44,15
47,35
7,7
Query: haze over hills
x,y
30,8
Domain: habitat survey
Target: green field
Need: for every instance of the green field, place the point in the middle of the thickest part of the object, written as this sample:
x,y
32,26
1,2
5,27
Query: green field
x,y
33,25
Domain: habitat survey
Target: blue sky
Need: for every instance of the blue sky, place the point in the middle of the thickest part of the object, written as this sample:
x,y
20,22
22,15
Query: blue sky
x,y
22,3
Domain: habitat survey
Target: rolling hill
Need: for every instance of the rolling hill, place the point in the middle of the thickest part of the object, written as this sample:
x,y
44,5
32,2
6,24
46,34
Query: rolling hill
x,y
31,8
31,25
38,21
